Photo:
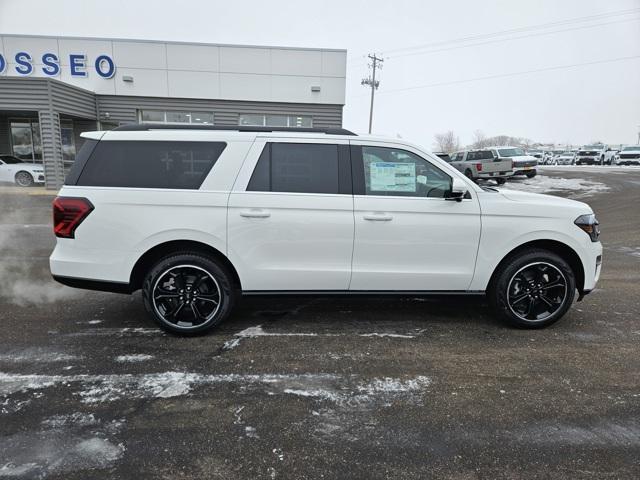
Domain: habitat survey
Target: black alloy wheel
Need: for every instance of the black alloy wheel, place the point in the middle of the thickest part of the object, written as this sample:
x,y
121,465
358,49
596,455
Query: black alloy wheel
x,y
536,291
188,293
532,288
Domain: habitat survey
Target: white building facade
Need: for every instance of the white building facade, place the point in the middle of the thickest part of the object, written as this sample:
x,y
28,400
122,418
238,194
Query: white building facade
x,y
54,88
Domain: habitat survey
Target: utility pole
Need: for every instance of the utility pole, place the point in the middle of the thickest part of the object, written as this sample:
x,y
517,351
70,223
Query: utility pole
x,y
376,62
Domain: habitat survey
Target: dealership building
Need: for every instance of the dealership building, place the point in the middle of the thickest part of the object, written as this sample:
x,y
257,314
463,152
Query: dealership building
x,y
54,88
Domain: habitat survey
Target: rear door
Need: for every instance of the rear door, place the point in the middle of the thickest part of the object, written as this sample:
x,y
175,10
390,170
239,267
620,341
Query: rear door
x,y
408,237
290,216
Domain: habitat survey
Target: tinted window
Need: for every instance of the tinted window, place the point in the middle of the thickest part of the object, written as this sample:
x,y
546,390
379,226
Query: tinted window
x,y
296,168
390,171
81,159
150,164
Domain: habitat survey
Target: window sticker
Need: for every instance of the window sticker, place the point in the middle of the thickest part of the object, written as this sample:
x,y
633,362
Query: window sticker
x,y
392,177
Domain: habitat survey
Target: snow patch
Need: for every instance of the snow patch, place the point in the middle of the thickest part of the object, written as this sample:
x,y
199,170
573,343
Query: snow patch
x,y
258,331
392,335
544,184
140,357
39,355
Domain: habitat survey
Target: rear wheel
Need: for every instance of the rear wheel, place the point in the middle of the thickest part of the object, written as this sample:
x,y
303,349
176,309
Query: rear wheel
x,y
24,179
188,294
532,289
501,181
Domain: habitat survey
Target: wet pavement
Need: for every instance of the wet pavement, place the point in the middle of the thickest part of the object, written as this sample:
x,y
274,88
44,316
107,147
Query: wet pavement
x,y
297,387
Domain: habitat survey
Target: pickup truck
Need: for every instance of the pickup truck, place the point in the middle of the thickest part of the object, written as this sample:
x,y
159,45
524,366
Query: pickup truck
x,y
591,154
629,155
481,165
523,164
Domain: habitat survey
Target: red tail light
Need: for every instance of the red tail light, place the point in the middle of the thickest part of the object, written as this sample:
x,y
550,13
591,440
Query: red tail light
x,y
479,167
68,213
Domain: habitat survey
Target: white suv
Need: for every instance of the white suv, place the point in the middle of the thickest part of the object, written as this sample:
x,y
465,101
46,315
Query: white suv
x,y
197,217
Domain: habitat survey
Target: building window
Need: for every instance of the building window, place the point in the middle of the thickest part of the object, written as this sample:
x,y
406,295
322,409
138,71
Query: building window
x,y
68,142
177,117
260,120
26,143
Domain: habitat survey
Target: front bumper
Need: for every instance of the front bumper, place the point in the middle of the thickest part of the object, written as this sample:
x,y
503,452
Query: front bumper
x,y
587,161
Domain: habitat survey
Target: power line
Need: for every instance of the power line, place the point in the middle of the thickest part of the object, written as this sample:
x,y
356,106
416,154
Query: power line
x,y
371,81
517,30
500,40
512,74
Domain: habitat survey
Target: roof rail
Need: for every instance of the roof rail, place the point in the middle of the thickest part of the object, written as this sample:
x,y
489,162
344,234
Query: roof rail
x,y
137,127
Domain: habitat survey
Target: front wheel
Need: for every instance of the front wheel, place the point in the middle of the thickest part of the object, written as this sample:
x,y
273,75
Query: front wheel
x,y
188,293
24,179
532,289
531,174
501,181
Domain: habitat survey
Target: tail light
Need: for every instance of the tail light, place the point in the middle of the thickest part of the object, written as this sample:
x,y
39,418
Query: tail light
x,y
479,167
68,214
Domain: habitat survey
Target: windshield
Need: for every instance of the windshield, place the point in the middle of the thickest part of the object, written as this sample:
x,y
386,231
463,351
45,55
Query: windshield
x,y
511,152
10,159
592,147
567,153
559,151
633,147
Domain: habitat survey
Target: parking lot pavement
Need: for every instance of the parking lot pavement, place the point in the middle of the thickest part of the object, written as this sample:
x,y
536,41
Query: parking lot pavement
x,y
320,388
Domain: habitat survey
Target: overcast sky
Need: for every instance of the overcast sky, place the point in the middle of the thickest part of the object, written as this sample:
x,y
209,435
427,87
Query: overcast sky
x,y
530,91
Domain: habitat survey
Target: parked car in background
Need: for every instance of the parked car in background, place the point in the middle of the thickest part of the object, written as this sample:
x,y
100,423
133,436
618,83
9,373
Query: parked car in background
x,y
220,214
537,154
565,158
549,155
23,174
523,164
444,156
609,155
481,165
629,155
591,154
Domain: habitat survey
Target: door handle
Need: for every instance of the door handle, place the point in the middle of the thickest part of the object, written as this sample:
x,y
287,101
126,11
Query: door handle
x,y
378,217
254,214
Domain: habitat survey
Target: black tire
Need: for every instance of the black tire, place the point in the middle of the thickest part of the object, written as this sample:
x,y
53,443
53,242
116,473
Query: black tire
x,y
531,174
501,181
23,179
512,291
193,284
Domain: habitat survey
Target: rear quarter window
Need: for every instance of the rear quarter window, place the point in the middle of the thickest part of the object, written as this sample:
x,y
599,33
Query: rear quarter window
x,y
150,164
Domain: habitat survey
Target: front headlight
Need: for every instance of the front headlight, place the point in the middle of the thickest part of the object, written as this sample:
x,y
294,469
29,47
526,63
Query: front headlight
x,y
589,223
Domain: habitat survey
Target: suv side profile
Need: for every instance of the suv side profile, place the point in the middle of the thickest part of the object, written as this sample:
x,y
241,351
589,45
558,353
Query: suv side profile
x,y
198,217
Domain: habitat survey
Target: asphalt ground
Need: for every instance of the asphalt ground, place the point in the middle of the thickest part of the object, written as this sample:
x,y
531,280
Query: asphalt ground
x,y
295,387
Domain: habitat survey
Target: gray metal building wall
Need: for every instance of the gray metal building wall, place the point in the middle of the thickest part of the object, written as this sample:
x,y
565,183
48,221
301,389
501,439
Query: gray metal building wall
x,y
123,109
5,143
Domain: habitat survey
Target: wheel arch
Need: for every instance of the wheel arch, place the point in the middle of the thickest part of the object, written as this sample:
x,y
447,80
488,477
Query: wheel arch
x,y
151,256
563,250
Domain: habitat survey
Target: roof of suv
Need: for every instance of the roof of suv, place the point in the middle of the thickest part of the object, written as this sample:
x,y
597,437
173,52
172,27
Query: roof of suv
x,y
137,127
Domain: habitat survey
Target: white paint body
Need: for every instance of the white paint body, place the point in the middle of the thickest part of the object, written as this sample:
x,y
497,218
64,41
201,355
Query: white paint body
x,y
317,242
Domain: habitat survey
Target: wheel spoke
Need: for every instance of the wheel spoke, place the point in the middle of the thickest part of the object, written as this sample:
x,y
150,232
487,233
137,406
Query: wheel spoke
x,y
196,312
176,310
207,299
519,299
547,301
167,295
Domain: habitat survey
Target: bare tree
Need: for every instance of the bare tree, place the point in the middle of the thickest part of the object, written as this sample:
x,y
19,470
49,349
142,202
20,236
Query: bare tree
x,y
479,139
447,142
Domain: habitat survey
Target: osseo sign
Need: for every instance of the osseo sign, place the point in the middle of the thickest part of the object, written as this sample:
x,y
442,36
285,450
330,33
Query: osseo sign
x,y
79,65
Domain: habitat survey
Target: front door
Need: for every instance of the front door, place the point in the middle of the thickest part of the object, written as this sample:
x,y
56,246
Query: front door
x,y
408,236
290,217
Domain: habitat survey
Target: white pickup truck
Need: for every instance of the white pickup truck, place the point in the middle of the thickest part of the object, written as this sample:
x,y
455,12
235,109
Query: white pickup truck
x,y
591,154
523,164
481,164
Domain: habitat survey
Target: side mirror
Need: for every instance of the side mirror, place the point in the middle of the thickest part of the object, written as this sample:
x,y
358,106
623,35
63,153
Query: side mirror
x,y
458,190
